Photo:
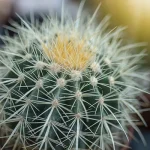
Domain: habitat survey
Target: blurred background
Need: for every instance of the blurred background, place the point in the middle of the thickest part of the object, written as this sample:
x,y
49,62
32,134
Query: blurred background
x,y
134,14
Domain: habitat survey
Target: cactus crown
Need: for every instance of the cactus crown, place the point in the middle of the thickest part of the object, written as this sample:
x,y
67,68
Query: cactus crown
x,y
68,85
70,52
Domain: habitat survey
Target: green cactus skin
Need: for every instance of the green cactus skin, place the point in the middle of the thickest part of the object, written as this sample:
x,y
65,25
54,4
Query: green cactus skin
x,y
69,86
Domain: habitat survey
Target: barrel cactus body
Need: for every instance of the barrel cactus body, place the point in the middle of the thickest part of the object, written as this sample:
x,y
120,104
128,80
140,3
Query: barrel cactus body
x,y
69,85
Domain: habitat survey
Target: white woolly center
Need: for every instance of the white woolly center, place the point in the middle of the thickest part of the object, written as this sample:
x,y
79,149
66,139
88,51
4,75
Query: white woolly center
x,y
76,75
78,115
107,61
21,78
111,80
55,103
39,65
39,84
28,102
78,94
61,82
28,56
55,68
101,100
95,67
93,81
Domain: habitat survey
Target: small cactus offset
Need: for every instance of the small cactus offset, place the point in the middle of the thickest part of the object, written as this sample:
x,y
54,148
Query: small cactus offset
x,y
69,85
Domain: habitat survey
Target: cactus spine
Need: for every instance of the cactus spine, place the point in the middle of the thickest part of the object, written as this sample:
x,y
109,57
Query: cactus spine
x,y
68,85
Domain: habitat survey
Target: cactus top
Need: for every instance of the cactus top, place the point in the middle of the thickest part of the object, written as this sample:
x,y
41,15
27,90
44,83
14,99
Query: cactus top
x,y
69,52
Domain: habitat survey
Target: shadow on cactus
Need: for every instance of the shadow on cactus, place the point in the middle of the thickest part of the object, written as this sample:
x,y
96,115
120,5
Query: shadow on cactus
x,y
69,85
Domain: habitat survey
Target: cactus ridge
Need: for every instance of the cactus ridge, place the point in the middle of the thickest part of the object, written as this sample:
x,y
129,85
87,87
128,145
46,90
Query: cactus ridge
x,y
68,85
